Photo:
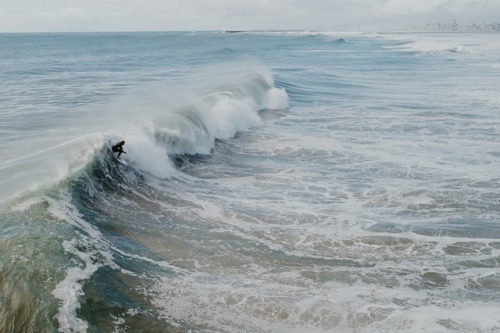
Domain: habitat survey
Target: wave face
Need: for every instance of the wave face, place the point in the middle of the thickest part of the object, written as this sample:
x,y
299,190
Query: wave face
x,y
272,181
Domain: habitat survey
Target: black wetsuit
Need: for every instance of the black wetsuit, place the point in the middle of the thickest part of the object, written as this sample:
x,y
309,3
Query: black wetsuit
x,y
118,149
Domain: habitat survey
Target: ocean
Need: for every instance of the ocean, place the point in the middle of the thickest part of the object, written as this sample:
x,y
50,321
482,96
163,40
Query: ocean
x,y
272,182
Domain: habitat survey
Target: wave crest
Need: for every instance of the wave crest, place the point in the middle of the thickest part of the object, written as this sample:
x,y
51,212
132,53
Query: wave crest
x,y
218,112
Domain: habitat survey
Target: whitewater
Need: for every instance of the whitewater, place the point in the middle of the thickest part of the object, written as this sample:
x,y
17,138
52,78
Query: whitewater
x,y
274,182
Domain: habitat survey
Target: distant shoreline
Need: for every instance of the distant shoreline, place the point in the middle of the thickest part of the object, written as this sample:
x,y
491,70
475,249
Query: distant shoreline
x,y
460,28
408,30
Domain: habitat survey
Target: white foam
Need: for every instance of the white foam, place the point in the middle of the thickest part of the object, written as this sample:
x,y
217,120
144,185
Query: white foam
x,y
462,43
229,115
277,99
70,289
143,153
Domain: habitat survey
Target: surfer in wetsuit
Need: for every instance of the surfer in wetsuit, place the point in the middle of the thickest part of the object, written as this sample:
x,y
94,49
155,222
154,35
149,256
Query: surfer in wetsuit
x,y
118,148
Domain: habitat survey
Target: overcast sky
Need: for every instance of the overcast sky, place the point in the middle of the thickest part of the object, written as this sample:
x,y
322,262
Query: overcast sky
x,y
162,15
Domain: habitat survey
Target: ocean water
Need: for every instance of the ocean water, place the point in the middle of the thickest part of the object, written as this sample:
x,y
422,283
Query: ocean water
x,y
275,182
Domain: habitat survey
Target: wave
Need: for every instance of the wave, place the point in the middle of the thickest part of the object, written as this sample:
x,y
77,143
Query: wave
x,y
155,123
432,44
80,182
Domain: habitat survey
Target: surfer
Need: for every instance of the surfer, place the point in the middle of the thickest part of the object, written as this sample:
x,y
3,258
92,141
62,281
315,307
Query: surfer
x,y
118,148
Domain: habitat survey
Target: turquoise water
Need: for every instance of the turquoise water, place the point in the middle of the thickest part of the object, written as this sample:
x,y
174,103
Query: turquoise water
x,y
275,182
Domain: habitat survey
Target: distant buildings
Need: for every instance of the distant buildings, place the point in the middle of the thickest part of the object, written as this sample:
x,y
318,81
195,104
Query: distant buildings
x,y
456,27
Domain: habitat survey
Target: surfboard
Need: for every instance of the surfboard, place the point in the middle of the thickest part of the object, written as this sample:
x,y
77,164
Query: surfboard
x,y
119,160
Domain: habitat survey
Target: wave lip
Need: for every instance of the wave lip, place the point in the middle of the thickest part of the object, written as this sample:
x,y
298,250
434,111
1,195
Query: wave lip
x,y
193,128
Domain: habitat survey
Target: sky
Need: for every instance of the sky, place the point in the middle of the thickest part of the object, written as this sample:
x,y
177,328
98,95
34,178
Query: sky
x,y
219,15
